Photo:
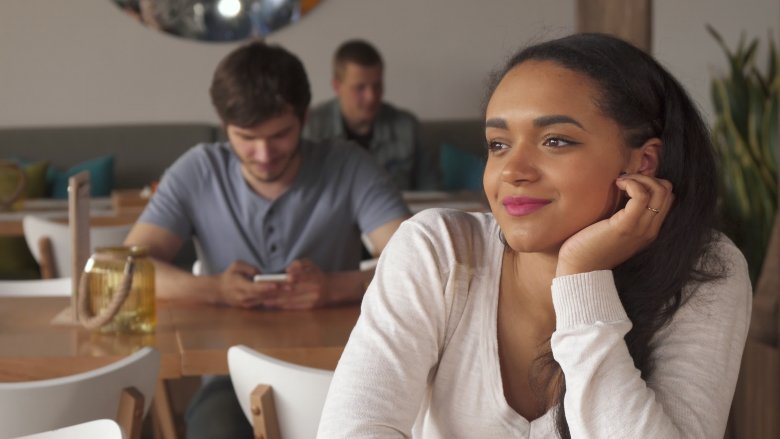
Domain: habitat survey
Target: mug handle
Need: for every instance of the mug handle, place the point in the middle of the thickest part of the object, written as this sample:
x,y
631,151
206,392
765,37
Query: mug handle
x,y
90,321
6,203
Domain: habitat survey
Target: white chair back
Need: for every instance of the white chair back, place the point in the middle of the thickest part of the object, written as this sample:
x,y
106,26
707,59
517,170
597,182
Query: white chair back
x,y
60,286
298,392
36,228
200,267
37,406
100,429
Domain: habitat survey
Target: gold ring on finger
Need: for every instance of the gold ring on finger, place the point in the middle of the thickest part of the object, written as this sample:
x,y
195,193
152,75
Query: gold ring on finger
x,y
655,211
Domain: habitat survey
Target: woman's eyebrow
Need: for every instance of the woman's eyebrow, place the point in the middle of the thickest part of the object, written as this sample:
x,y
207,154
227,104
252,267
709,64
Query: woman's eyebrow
x,y
496,122
553,119
539,122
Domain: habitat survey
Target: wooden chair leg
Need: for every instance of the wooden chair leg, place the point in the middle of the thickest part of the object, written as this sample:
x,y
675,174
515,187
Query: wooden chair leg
x,y
156,427
264,421
162,411
130,412
47,258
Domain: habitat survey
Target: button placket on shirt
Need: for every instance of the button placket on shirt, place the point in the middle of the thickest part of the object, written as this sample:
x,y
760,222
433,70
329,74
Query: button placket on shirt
x,y
271,231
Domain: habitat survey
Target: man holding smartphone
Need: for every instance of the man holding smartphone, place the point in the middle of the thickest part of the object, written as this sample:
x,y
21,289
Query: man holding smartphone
x,y
265,202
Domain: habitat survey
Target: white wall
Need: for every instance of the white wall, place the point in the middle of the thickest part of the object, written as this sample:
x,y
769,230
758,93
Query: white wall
x,y
66,62
683,45
69,62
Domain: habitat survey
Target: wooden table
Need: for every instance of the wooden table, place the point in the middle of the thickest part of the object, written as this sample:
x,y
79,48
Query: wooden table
x,y
103,212
462,200
313,338
31,348
193,339
125,206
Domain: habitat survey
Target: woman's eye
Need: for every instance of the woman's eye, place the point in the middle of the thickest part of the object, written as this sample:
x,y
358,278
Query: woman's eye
x,y
557,142
494,146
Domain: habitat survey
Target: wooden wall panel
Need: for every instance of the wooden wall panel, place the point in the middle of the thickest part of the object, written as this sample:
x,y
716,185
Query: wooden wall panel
x,y
630,20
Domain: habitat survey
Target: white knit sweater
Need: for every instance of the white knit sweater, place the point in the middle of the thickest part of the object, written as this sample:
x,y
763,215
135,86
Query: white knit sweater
x,y
422,360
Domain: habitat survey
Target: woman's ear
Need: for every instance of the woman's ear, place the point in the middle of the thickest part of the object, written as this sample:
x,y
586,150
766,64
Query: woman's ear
x,y
646,159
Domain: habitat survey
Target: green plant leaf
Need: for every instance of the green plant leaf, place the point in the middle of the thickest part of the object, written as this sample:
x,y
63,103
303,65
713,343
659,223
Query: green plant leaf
x,y
748,55
717,96
769,136
746,138
719,39
771,59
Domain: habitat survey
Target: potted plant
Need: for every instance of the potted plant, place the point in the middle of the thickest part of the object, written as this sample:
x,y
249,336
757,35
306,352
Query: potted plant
x,y
745,134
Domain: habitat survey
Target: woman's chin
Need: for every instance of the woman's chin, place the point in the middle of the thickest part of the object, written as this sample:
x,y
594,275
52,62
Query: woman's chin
x,y
526,244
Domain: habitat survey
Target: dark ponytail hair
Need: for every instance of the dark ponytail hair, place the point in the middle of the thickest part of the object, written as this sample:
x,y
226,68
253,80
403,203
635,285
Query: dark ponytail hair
x,y
646,101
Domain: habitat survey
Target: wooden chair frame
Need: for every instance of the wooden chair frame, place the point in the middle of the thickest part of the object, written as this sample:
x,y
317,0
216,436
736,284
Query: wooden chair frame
x,y
264,420
60,402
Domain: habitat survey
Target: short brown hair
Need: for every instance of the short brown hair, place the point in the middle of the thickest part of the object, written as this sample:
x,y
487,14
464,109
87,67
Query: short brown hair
x,y
256,82
359,52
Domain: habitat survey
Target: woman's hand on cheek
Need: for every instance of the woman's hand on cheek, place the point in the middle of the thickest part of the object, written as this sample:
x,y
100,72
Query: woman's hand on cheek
x,y
610,242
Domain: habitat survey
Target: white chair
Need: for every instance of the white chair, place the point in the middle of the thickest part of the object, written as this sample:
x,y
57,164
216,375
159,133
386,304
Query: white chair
x,y
122,391
60,286
294,408
100,429
200,266
368,264
50,242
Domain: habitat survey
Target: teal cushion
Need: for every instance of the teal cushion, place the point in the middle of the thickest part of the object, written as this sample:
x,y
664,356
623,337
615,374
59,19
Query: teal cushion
x,y
460,170
101,177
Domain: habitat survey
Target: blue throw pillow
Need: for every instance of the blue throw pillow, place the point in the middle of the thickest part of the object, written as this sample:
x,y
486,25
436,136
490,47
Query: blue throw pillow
x,y
101,177
460,170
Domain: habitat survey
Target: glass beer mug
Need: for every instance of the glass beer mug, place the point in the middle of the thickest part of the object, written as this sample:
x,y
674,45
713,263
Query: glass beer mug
x,y
116,291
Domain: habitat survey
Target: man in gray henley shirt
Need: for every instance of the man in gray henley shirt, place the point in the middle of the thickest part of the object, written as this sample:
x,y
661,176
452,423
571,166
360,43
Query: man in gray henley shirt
x,y
265,202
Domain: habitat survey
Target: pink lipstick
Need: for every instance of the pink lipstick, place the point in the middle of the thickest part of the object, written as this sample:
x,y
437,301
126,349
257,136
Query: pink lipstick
x,y
520,206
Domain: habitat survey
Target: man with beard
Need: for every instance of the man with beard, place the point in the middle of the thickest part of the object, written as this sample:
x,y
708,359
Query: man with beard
x,y
265,202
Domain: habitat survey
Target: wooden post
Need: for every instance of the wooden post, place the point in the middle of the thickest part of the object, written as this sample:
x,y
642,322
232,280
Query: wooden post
x,y
130,412
630,20
264,421
78,216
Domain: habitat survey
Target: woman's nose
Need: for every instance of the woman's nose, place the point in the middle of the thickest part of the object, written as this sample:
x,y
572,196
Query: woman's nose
x,y
520,165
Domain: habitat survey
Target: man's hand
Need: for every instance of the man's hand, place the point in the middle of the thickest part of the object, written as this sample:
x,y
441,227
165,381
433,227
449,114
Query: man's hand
x,y
306,287
236,287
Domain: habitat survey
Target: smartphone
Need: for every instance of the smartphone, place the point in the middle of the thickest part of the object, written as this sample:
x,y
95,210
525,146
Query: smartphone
x,y
282,277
